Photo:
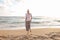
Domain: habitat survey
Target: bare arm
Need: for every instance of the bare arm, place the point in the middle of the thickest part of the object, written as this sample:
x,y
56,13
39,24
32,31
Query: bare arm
x,y
31,16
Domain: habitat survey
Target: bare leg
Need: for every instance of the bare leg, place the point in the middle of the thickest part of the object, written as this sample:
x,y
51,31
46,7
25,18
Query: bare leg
x,y
27,32
30,30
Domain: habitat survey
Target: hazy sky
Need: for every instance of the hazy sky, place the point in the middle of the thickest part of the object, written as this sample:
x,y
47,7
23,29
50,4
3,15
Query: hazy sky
x,y
50,8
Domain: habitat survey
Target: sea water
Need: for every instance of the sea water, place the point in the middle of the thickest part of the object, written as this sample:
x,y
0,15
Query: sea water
x,y
17,22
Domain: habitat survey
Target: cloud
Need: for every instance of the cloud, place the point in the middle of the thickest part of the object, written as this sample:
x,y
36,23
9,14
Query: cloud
x,y
1,1
49,8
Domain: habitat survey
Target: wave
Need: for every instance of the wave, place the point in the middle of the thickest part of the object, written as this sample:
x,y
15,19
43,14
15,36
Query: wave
x,y
14,21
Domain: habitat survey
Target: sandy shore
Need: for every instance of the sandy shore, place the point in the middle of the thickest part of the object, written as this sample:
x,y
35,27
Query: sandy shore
x,y
43,32
34,31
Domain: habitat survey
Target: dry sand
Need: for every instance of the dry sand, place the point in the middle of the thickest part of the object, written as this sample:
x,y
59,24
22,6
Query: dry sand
x,y
42,33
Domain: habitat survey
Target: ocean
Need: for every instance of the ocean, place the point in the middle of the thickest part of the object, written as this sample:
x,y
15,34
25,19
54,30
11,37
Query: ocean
x,y
18,22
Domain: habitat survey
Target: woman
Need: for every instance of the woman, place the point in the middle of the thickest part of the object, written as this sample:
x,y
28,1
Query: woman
x,y
28,21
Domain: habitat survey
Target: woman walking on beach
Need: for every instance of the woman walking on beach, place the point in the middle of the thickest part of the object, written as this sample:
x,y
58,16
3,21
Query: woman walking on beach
x,y
28,21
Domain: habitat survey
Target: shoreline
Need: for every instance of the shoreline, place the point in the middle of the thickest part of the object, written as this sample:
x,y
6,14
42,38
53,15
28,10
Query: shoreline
x,y
21,28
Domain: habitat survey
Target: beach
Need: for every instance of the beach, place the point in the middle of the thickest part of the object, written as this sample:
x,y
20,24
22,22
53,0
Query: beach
x,y
36,34
34,31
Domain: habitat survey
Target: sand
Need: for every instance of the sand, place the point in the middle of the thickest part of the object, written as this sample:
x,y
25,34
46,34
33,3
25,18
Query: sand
x,y
36,34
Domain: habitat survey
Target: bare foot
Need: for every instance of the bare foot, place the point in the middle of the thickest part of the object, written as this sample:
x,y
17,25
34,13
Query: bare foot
x,y
30,30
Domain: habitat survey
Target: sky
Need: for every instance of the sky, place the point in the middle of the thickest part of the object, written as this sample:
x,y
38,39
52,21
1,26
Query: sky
x,y
48,8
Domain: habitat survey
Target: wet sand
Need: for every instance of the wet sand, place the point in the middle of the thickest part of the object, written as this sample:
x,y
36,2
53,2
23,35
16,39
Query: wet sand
x,y
36,34
34,31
